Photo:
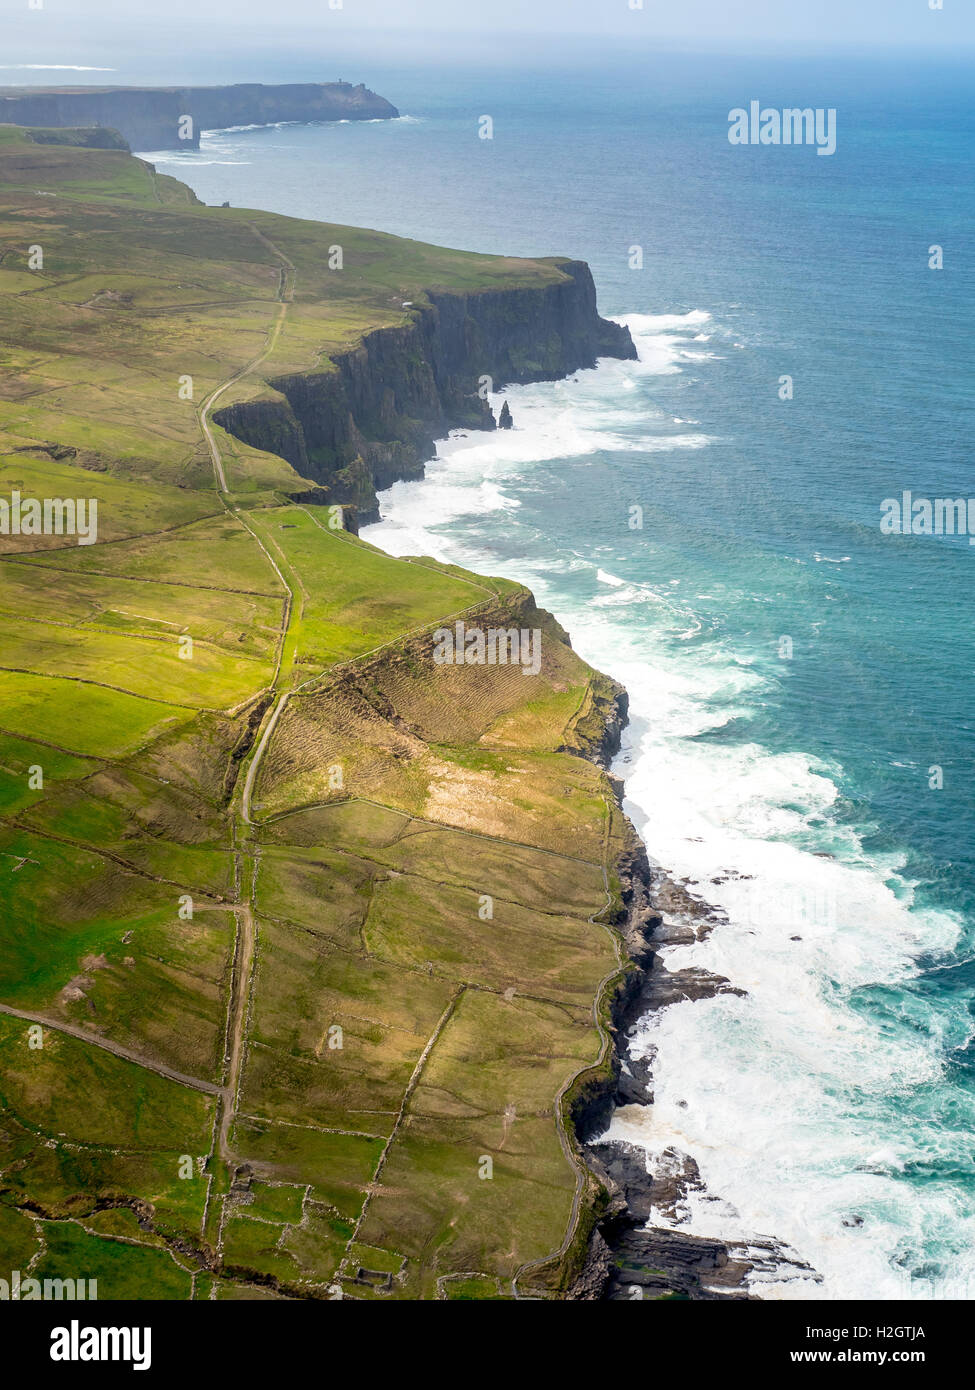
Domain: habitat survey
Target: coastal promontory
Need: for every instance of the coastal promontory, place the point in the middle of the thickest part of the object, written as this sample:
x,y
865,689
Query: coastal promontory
x,y
169,118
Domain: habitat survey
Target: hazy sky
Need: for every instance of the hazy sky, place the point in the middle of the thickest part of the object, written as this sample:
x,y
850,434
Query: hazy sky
x,y
782,20
737,22
213,41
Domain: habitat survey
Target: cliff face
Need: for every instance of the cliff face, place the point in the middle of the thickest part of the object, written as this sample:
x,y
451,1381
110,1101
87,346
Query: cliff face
x,y
373,417
150,117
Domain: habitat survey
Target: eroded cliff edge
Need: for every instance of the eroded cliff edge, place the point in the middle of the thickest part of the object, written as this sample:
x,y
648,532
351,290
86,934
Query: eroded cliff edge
x,y
373,415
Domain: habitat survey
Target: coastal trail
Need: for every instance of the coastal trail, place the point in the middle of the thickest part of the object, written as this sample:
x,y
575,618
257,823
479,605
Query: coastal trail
x,y
286,289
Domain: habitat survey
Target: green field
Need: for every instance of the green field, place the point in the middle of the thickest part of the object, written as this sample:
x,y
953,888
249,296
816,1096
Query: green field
x,y
353,597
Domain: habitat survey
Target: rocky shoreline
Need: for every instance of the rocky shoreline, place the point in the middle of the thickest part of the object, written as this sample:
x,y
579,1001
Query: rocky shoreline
x,y
637,1249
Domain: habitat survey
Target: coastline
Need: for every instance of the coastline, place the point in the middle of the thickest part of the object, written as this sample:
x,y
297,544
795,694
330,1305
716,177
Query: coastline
x,y
734,746
172,118
367,424
372,414
612,1251
373,405
637,1248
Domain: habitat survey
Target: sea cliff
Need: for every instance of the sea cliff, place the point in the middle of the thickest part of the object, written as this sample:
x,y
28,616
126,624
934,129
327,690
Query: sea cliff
x,y
373,416
153,118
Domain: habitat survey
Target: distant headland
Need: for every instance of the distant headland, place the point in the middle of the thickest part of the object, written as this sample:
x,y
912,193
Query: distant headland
x,y
171,118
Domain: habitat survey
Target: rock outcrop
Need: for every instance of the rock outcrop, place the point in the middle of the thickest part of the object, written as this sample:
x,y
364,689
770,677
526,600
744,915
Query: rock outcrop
x,y
153,118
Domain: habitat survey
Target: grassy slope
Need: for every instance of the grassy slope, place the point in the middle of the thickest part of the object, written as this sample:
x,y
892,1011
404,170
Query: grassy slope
x,y
142,911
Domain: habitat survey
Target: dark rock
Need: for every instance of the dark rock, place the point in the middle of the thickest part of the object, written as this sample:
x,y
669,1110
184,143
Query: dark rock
x,y
505,421
683,909
665,987
664,1190
663,1261
632,1089
596,1273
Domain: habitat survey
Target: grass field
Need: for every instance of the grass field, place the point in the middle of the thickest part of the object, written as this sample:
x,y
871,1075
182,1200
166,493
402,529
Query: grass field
x,y
302,932
355,598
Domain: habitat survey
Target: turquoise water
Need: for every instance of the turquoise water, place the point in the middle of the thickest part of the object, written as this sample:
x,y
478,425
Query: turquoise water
x,y
833,1105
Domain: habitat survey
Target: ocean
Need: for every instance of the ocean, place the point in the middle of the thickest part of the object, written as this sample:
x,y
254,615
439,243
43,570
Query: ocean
x,y
802,749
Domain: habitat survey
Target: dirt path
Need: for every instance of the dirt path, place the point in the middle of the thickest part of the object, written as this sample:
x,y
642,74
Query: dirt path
x,y
125,1053
246,932
285,295
255,762
243,965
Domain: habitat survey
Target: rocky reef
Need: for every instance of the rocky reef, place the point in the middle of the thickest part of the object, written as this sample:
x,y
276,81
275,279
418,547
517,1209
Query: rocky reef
x,y
153,118
373,416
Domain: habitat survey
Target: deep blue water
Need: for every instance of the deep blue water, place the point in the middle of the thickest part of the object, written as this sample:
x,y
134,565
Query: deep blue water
x,y
833,1106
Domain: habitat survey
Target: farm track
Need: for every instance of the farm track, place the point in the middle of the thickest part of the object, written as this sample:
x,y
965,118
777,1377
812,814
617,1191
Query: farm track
x,y
127,1054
